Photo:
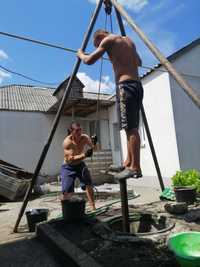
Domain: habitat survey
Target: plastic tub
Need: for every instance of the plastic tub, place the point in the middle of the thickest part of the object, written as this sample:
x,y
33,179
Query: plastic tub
x,y
186,246
35,216
185,194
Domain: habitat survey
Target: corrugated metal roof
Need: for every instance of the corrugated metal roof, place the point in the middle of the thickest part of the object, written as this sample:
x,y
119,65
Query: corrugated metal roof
x,y
26,98
91,95
33,98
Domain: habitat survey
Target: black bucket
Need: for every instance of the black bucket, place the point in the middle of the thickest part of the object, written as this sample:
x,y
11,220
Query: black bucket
x,y
185,194
73,209
35,216
145,223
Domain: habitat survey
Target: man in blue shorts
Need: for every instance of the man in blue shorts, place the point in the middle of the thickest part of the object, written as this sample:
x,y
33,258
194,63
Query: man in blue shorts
x,y
77,147
125,60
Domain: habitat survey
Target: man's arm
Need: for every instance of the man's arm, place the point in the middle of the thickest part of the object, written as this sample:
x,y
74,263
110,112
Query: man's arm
x,y
98,53
88,146
93,57
88,141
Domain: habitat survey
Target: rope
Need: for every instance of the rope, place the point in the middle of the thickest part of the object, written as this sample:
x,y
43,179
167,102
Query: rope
x,y
37,42
26,77
73,51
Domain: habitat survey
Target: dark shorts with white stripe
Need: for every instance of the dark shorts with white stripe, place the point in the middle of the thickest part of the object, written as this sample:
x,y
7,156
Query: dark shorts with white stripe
x,y
129,102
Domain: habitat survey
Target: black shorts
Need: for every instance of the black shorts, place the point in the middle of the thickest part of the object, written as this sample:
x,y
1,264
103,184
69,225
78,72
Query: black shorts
x,y
129,102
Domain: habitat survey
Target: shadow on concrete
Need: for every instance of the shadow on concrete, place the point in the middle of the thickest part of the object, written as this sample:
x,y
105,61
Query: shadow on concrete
x,y
26,253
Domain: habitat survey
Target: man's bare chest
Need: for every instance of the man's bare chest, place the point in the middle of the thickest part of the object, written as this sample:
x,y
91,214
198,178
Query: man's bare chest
x,y
77,147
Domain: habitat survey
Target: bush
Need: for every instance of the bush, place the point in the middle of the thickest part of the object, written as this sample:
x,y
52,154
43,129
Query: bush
x,y
187,178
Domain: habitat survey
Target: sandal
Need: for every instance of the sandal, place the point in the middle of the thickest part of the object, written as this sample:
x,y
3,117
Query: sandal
x,y
136,174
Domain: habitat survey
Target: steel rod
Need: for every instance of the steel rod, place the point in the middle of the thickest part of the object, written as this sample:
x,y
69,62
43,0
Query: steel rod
x,y
58,115
186,87
124,206
153,153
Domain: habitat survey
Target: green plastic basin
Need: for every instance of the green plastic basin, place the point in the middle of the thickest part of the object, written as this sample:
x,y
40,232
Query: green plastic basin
x,y
186,246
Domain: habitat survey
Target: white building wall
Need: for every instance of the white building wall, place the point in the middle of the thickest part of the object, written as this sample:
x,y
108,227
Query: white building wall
x,y
186,114
158,108
113,120
105,134
23,135
22,139
173,119
104,127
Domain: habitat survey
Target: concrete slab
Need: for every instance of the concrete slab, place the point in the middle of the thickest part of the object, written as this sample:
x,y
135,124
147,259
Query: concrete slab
x,y
68,253
105,194
87,247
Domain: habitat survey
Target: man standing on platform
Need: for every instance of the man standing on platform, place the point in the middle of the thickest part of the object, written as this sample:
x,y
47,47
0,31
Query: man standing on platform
x,y
129,91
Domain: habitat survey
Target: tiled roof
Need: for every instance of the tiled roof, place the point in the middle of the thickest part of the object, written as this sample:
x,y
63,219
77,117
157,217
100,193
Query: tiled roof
x,y
26,98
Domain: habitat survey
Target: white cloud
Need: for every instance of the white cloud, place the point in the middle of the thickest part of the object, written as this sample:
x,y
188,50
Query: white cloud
x,y
3,55
107,86
135,5
3,75
93,1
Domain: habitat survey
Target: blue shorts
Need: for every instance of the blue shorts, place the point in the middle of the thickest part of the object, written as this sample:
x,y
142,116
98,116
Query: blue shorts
x,y
70,172
129,101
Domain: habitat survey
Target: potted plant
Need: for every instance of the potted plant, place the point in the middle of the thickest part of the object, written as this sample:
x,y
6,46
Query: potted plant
x,y
186,185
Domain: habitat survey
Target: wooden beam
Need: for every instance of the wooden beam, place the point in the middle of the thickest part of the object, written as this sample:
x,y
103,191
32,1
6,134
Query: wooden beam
x,y
163,60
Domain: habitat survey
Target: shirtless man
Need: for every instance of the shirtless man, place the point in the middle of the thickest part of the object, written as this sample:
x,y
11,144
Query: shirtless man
x,y
125,60
77,147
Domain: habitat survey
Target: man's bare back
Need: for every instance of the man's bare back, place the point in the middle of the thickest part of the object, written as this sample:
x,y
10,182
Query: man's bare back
x,y
122,53
125,60
123,56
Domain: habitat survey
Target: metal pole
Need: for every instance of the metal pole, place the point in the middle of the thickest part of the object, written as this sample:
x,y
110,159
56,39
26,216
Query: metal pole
x,y
124,206
58,115
123,33
152,149
186,87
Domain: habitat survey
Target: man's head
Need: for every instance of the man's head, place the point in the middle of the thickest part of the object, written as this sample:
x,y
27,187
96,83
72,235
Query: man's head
x,y
75,130
98,36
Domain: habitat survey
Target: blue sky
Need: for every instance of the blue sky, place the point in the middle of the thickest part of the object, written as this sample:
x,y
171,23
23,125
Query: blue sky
x,y
170,24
